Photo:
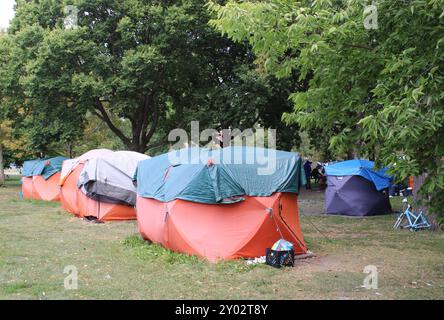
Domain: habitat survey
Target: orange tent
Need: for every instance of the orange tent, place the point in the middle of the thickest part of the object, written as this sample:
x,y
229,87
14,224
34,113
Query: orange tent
x,y
81,203
48,190
228,231
41,179
217,204
28,190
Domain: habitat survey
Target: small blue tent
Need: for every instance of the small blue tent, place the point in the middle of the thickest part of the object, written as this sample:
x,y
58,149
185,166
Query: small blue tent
x,y
355,188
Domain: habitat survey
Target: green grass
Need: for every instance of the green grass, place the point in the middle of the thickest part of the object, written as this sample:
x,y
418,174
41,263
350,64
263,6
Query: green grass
x,y
38,240
13,180
15,287
147,251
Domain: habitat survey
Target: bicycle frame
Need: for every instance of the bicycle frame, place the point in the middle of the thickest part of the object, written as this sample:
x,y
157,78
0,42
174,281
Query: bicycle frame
x,y
415,221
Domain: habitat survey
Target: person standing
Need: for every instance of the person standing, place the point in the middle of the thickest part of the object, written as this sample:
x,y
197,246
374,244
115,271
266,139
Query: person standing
x,y
307,169
322,177
220,137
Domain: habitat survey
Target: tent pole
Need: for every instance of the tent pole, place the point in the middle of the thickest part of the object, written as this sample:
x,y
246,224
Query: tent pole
x,y
288,227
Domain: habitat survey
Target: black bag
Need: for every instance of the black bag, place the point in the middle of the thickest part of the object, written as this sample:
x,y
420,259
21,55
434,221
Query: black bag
x,y
278,259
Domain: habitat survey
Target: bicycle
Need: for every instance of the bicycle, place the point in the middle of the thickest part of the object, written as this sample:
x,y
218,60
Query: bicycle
x,y
413,221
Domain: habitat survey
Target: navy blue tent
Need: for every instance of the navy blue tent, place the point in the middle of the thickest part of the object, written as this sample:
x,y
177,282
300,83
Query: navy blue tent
x,y
355,188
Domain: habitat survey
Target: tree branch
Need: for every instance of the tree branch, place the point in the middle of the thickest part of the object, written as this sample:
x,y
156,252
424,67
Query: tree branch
x,y
103,115
157,144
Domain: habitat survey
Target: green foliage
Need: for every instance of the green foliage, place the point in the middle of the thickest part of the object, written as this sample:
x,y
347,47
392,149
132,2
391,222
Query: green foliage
x,y
39,112
374,93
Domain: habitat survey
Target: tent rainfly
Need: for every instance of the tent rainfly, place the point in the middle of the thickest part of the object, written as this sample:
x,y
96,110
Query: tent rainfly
x,y
217,204
40,179
355,188
99,184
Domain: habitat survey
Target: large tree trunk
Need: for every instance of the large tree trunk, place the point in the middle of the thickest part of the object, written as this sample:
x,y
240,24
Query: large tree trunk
x,y
2,167
417,184
423,206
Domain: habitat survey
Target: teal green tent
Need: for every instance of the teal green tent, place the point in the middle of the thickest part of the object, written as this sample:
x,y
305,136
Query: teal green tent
x,y
219,176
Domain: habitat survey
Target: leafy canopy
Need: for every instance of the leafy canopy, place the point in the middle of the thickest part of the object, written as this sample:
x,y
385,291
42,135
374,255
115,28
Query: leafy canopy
x,y
373,92
142,67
